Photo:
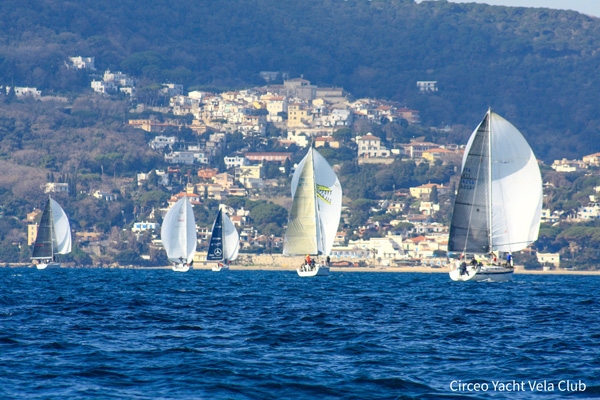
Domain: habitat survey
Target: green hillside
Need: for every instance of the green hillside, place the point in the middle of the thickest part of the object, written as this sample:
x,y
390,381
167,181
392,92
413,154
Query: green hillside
x,y
537,67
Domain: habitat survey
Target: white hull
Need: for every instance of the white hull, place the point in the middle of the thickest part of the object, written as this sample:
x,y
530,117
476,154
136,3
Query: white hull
x,y
181,268
220,267
315,270
48,265
483,273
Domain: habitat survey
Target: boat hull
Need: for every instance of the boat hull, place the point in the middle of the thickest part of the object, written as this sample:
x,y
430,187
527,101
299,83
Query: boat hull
x,y
48,265
315,270
181,268
494,273
220,267
482,273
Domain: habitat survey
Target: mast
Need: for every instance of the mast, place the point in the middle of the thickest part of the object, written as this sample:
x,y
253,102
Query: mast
x,y
490,229
319,236
223,244
185,220
52,233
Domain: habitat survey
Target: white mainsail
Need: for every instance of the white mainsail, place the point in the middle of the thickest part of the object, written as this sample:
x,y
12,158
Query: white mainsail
x,y
178,232
316,207
499,200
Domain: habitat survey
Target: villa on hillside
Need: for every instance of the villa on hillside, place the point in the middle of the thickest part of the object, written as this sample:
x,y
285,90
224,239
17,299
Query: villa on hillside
x,y
369,146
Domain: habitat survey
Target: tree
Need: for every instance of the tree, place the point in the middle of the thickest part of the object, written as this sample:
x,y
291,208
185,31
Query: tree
x,y
264,213
433,196
154,198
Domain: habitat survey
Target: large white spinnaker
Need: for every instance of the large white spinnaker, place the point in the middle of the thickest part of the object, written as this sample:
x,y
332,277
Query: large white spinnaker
x,y
178,232
516,188
231,238
62,229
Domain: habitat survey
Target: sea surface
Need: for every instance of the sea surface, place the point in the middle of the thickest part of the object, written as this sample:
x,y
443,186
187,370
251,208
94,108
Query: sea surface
x,y
157,334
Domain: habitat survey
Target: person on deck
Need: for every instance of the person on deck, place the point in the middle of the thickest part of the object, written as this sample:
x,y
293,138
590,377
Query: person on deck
x,y
463,268
308,259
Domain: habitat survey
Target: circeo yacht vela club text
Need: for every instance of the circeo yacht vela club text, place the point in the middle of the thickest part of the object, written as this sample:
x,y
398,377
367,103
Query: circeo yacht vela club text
x,y
518,386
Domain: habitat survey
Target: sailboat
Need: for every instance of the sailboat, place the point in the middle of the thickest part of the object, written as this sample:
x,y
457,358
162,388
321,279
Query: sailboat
x,y
53,236
224,242
498,204
315,215
178,235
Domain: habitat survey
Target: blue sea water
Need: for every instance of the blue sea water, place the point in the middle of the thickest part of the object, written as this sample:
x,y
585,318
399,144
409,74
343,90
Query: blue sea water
x,y
156,334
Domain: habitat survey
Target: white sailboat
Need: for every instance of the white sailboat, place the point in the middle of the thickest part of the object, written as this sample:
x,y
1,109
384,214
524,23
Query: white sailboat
x,y
498,204
224,242
178,235
315,215
53,236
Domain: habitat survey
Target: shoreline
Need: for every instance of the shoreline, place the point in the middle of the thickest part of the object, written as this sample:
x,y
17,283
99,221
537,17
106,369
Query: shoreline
x,y
421,270
263,267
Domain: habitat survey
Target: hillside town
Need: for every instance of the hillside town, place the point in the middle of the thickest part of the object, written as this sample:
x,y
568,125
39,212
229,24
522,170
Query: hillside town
x,y
307,115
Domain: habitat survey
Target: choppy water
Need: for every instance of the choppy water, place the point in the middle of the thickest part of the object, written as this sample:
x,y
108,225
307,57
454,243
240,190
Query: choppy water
x,y
156,334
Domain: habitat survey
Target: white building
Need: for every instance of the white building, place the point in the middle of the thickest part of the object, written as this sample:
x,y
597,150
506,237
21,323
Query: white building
x,y
369,146
201,158
163,177
27,91
549,258
145,226
56,187
384,250
427,86
565,165
235,161
106,196
180,157
591,211
160,142
428,208
349,252
550,217
118,78
128,90
103,87
82,62
172,89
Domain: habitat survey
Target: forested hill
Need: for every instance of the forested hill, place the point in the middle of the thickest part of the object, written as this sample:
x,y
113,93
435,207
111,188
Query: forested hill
x,y
537,67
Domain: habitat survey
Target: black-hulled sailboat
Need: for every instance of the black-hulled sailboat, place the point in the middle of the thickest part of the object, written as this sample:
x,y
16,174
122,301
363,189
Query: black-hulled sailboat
x,y
224,242
53,236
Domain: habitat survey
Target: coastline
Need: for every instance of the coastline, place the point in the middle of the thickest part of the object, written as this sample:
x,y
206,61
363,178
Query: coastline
x,y
271,267
420,270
